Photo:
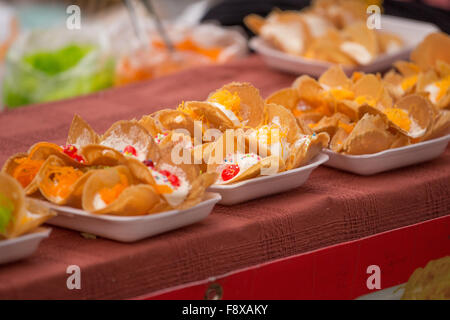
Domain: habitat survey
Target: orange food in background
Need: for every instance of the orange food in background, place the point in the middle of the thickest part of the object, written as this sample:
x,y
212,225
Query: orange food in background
x,y
158,61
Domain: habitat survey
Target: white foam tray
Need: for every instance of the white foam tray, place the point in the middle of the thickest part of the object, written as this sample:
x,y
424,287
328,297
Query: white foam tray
x,y
266,185
412,33
132,228
369,164
22,247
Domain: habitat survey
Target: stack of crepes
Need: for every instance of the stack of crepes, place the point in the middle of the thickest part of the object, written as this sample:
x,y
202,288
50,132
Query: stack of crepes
x,y
328,30
122,172
368,113
18,214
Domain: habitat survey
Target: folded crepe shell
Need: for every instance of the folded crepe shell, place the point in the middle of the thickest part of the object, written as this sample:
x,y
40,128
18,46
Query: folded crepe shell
x,y
388,42
412,115
198,189
130,133
361,43
20,215
440,126
213,117
271,165
370,135
81,133
286,31
330,124
287,97
234,148
368,85
98,155
169,119
335,77
251,103
407,69
254,22
25,173
435,47
306,148
338,139
283,118
61,184
150,124
308,89
124,198
304,128
43,150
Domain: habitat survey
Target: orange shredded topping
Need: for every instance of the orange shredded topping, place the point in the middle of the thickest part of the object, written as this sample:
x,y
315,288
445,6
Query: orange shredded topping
x,y
229,100
356,76
189,45
59,180
26,170
400,117
365,99
162,188
409,82
108,195
341,94
347,127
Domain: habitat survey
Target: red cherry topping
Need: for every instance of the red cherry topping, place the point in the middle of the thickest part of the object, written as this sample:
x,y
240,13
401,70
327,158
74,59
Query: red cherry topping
x,y
173,179
149,163
130,150
230,172
71,151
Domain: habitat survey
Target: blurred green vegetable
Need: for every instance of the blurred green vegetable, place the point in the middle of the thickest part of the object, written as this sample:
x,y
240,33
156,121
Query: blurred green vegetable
x,y
44,76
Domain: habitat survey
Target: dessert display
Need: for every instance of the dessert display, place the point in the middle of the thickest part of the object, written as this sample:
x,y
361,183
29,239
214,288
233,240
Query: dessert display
x,y
251,137
122,172
331,31
369,113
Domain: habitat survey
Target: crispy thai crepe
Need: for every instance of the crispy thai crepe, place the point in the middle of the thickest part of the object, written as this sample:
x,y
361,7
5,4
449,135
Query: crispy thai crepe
x,y
60,183
169,119
244,100
131,139
306,148
112,191
24,167
332,31
370,135
405,106
81,133
18,214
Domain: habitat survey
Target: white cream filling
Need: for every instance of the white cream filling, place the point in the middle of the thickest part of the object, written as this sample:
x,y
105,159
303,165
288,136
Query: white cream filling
x,y
244,161
119,144
289,35
228,113
357,52
415,130
317,26
98,202
433,91
178,194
